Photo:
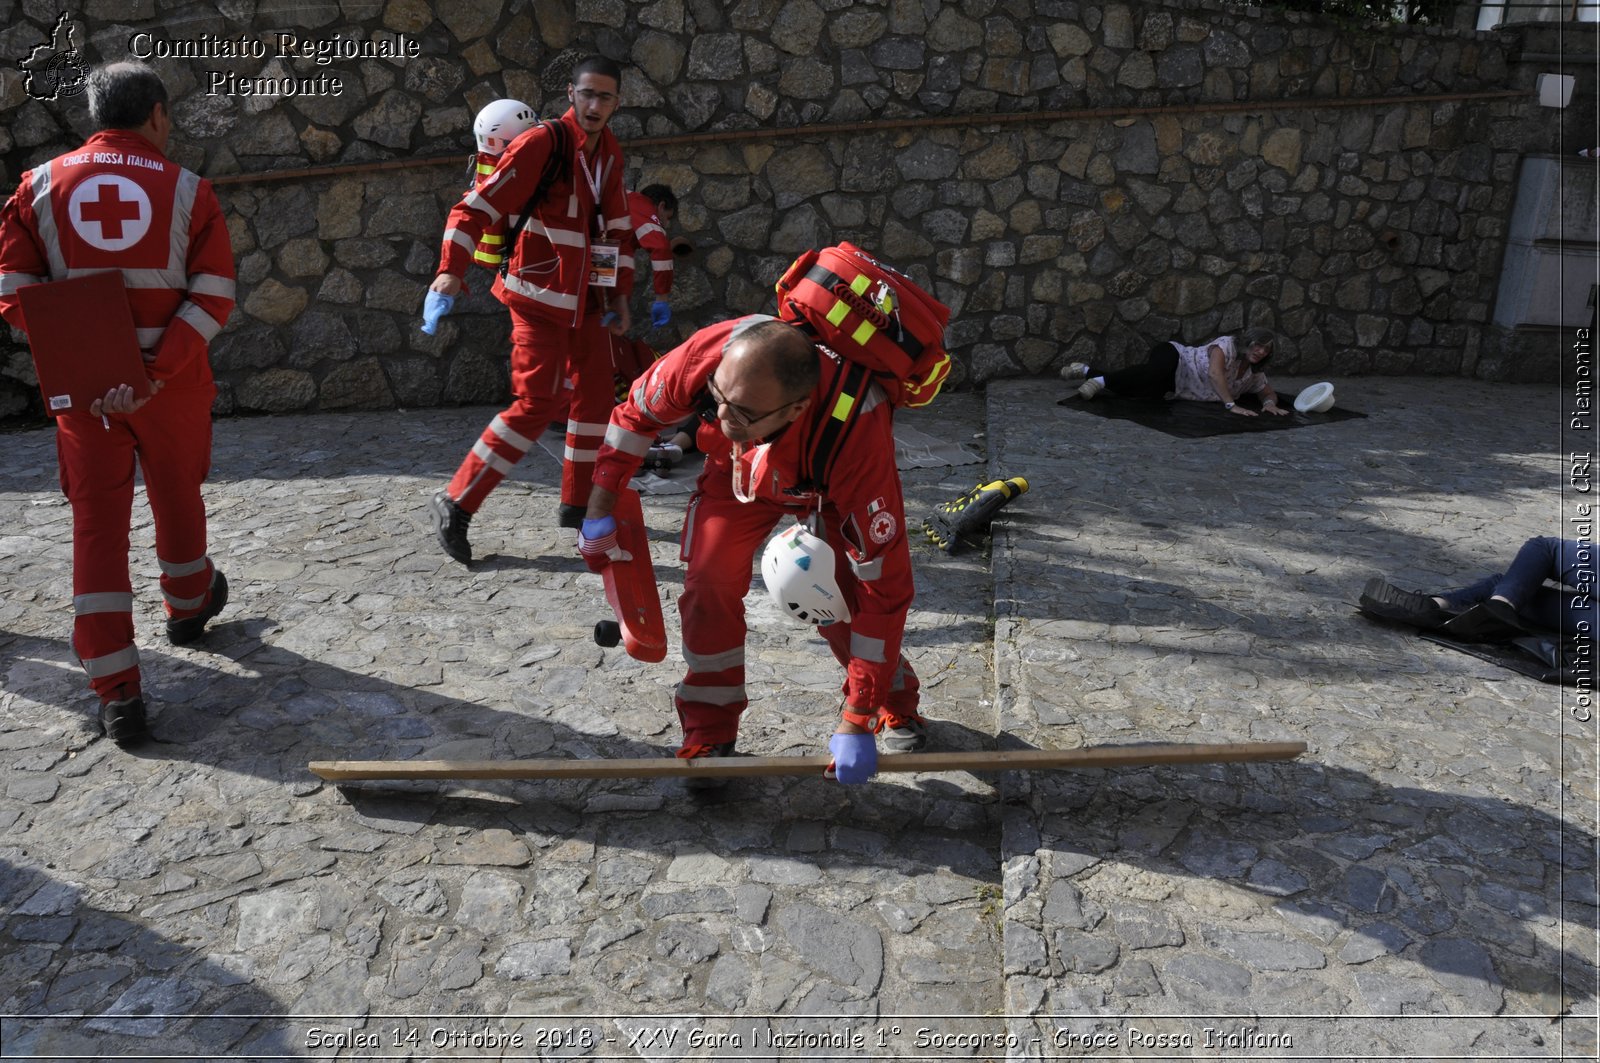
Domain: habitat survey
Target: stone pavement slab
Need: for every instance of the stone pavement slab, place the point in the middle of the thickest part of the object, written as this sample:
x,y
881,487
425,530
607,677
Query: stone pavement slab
x,y
1424,876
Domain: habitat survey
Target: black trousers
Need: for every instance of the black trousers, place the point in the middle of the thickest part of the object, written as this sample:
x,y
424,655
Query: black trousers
x,y
1153,379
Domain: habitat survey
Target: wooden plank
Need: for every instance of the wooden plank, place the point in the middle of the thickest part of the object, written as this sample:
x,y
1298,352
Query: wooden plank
x,y
669,767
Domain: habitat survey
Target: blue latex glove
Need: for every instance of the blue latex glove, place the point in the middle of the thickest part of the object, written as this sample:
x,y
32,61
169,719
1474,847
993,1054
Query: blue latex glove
x,y
855,757
435,306
609,318
660,313
597,542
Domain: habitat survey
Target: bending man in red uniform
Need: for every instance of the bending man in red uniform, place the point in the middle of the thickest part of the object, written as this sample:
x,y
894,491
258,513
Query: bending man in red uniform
x,y
767,381
119,203
556,286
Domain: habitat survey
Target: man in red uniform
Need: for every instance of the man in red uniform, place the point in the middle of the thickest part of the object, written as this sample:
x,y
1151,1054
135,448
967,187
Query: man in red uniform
x,y
651,210
562,274
119,203
768,383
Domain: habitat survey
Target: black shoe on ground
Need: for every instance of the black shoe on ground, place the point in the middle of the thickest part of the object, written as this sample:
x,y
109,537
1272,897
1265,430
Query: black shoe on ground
x,y
1383,599
450,523
705,784
183,631
571,516
123,720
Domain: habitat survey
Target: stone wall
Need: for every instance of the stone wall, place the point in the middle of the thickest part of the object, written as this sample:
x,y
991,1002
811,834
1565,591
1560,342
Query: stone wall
x,y
1075,178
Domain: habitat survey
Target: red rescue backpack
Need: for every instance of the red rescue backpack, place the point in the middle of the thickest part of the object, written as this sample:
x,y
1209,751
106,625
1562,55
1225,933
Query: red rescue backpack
x,y
870,314
882,326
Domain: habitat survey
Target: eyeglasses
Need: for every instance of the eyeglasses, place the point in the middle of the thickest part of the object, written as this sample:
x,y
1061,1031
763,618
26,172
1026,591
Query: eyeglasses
x,y
591,96
738,415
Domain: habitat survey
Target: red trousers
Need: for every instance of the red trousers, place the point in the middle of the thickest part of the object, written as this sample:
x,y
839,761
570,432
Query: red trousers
x,y
720,538
543,357
170,437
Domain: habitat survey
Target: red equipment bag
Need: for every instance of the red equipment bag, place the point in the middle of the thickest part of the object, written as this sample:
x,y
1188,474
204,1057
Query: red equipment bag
x,y
870,314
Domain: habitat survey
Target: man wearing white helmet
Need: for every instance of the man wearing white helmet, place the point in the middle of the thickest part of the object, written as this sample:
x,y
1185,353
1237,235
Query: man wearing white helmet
x,y
772,390
497,125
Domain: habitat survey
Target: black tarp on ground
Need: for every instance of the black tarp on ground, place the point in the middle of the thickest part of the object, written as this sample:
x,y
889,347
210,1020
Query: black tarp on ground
x,y
1195,420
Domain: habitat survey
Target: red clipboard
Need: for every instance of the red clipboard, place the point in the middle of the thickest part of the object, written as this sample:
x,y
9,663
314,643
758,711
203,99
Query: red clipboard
x,y
83,342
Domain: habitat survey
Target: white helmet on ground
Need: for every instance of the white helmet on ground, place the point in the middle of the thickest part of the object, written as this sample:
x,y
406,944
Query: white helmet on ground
x,y
797,567
501,122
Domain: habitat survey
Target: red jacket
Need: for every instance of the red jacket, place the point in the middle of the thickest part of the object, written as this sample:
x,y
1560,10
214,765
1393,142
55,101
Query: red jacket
x,y
548,272
864,490
118,203
650,234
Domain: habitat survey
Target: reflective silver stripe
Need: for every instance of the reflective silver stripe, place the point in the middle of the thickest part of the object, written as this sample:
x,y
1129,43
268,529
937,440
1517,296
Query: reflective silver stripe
x,y
587,428
184,603
165,279
182,212
149,337
663,265
865,648
581,455
459,237
625,263
617,223
112,663
559,300
649,227
474,201
874,397
711,695
199,320
103,602
565,237
10,282
714,662
505,432
211,284
867,571
491,459
49,235
743,325
686,550
619,438
179,569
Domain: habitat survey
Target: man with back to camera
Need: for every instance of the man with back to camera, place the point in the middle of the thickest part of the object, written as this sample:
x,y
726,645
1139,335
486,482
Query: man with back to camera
x,y
119,203
772,390
572,237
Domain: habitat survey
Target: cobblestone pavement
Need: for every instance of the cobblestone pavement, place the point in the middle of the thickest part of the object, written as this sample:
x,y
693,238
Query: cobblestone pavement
x,y
1430,857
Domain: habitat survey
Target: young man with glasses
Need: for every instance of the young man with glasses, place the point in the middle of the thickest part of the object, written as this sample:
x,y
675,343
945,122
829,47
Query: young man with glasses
x,y
771,390
565,288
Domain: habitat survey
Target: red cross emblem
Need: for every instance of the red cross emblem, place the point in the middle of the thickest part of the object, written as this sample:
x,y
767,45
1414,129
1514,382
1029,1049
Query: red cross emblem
x,y
109,212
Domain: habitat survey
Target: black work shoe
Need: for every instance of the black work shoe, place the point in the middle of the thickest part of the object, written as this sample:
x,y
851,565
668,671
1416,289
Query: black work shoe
x,y
904,734
702,784
181,632
123,720
450,523
1383,599
571,516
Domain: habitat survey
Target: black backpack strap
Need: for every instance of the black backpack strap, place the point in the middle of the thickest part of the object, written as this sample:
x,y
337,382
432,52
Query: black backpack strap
x,y
843,401
555,167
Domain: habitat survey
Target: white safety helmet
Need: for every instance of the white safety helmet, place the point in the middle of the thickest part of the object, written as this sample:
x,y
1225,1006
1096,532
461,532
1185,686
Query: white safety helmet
x,y
797,567
500,123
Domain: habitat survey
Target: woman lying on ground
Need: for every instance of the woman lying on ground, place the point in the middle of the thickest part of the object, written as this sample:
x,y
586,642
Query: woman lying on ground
x,y
1223,370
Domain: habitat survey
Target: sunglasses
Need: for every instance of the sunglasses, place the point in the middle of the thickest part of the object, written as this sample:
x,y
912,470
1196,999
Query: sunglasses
x,y
738,415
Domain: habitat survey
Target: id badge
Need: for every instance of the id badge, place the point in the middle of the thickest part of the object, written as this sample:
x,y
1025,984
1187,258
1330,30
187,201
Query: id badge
x,y
604,257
